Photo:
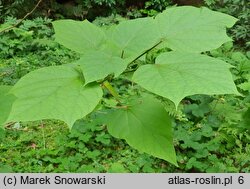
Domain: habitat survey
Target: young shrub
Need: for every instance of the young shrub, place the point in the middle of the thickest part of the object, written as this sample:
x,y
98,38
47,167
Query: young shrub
x,y
70,92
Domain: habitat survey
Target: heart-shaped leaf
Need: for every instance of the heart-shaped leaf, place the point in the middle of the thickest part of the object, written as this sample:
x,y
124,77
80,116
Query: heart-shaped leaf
x,y
55,92
192,29
146,126
177,75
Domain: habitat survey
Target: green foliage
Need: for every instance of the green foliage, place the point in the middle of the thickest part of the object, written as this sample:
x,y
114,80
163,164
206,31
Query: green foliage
x,y
213,140
179,30
107,2
2,134
58,89
78,9
13,7
63,92
241,62
92,39
241,10
158,5
6,101
172,68
22,38
29,47
153,7
50,147
107,64
107,21
145,125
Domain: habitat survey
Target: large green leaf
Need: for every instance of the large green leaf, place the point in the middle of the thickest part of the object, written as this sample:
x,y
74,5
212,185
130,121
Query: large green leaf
x,y
79,36
177,75
133,37
6,101
97,65
193,29
146,126
55,92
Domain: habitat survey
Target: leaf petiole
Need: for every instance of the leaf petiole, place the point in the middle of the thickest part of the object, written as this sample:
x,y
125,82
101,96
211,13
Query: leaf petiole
x,y
111,90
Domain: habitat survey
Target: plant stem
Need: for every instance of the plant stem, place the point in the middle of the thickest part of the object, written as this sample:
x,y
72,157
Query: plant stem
x,y
111,90
147,51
